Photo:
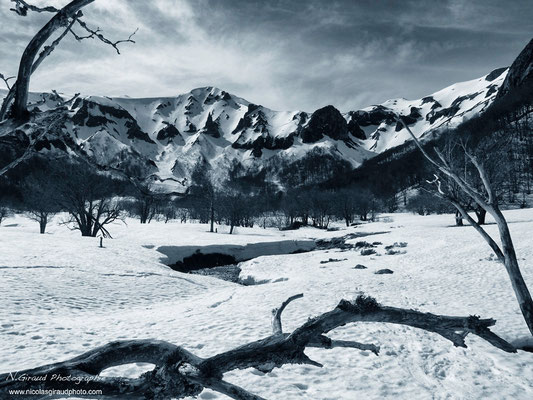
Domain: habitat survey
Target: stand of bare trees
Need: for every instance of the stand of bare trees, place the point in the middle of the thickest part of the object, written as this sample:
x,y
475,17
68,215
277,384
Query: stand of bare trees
x,y
179,373
447,179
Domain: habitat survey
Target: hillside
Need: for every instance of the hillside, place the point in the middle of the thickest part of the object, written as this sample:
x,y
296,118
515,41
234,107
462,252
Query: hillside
x,y
162,139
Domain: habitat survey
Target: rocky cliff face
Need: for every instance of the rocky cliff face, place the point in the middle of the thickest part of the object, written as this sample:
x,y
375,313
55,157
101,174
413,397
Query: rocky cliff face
x,y
520,72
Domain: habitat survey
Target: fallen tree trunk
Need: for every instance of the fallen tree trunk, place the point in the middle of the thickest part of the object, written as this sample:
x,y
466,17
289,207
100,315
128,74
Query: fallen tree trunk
x,y
179,373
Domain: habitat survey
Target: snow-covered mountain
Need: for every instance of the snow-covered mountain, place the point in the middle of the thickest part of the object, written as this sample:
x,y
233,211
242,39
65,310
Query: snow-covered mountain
x,y
165,137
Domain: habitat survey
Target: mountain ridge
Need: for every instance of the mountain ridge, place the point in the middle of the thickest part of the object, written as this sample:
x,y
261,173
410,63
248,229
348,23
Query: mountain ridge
x,y
165,137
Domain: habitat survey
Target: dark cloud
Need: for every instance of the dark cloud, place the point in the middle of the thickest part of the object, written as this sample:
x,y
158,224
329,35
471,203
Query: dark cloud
x,y
286,54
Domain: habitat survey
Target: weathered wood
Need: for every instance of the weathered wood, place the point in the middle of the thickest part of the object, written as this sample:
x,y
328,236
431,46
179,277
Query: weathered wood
x,y
64,17
276,314
179,373
506,253
61,18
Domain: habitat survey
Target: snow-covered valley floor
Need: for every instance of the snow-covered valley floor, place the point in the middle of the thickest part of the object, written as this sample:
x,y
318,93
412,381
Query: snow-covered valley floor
x,y
62,295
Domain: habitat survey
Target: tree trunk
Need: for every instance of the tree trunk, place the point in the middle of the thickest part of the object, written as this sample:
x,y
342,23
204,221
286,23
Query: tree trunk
x,y
212,209
7,101
20,104
511,265
179,373
42,223
491,206
458,219
481,214
231,228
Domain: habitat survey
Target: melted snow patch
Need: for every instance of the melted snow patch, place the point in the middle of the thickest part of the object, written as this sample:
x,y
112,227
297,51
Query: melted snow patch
x,y
176,254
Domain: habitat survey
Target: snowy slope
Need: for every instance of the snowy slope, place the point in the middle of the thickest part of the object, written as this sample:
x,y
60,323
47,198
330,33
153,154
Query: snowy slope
x,y
166,137
447,107
63,295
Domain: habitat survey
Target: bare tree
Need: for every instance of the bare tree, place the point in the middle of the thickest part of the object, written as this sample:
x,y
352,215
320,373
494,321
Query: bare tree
x,y
38,199
88,198
4,213
203,193
179,373
486,199
236,209
66,18
146,206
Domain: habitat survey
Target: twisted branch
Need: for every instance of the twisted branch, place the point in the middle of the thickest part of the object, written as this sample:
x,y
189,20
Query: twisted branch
x,y
179,373
6,80
97,33
276,314
22,7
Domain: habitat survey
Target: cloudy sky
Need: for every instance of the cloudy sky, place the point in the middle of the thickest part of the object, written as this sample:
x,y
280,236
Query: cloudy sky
x,y
284,54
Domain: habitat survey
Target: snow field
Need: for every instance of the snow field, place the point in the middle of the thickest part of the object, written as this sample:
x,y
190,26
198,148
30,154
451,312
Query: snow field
x,y
62,295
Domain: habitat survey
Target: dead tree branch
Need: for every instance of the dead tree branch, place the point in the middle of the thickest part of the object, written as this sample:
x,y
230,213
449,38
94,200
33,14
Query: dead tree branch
x,y
53,123
276,314
97,33
464,213
179,373
64,17
505,252
6,80
22,7
47,50
60,19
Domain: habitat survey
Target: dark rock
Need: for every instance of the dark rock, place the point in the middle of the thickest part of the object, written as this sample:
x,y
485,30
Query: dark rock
x,y
368,252
168,132
252,119
359,266
191,128
332,260
211,127
301,117
376,116
449,111
436,105
363,244
48,144
264,142
492,89
84,116
391,252
396,244
162,106
193,106
495,74
355,130
326,121
384,271
225,95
